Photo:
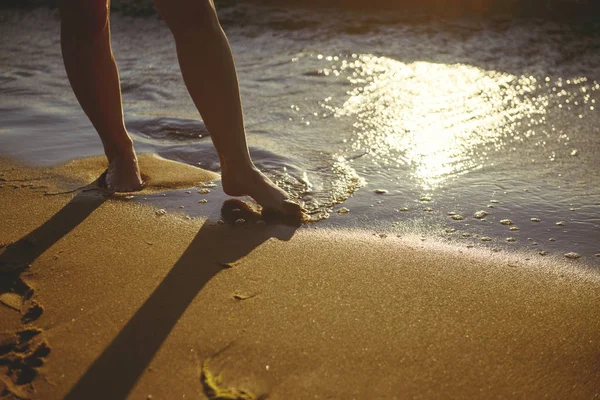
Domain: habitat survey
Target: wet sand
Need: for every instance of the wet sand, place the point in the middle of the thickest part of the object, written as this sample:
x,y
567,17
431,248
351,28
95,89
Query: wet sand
x,y
138,304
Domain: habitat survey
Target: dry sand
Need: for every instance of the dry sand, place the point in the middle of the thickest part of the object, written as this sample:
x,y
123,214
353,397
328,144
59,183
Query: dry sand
x,y
138,305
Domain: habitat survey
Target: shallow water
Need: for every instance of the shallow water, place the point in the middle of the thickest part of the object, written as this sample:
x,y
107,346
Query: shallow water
x,y
447,116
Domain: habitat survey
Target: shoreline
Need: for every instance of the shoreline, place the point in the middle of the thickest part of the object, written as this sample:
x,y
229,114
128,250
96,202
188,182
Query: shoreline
x,y
138,304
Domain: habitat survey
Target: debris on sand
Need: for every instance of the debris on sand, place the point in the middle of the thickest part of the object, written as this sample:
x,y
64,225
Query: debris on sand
x,y
203,201
204,191
161,212
457,217
572,255
511,239
238,296
214,391
480,214
535,220
486,239
381,191
343,210
506,222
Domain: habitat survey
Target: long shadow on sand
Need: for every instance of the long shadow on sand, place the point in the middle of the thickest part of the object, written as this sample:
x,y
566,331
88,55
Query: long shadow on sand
x,y
18,256
118,368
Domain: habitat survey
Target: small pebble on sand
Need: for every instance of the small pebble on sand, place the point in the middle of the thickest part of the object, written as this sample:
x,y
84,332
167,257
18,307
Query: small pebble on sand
x,y
457,217
204,191
428,209
486,239
381,191
494,201
506,222
535,219
552,240
203,201
513,228
560,223
404,209
480,214
449,230
572,255
343,210
511,239
543,253
160,212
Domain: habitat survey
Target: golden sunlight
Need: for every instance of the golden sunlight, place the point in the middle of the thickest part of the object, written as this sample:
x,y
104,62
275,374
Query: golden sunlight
x,y
438,119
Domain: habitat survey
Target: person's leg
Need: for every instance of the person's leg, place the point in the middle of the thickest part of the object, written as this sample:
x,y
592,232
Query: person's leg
x,y
209,73
92,72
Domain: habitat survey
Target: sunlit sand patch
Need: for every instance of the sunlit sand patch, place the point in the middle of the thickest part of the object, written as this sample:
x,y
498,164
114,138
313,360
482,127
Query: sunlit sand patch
x,y
159,174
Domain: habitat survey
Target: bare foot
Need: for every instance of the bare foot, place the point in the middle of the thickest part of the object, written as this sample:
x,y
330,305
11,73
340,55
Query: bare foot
x,y
123,174
255,184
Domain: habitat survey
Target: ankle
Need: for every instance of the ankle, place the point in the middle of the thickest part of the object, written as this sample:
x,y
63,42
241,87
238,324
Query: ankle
x,y
233,169
120,148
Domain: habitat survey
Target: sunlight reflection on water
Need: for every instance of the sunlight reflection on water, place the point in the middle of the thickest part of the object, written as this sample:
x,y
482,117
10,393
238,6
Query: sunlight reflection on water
x,y
435,118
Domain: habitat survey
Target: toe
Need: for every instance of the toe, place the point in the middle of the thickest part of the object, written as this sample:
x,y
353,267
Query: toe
x,y
288,211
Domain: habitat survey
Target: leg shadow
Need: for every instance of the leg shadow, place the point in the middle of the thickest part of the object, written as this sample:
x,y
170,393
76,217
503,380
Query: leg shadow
x,y
18,256
118,368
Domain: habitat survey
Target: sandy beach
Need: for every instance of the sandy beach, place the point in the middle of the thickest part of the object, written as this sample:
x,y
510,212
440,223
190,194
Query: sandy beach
x,y
103,298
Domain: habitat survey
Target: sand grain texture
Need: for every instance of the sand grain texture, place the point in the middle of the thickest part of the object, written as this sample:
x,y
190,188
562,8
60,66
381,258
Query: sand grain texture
x,y
337,314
